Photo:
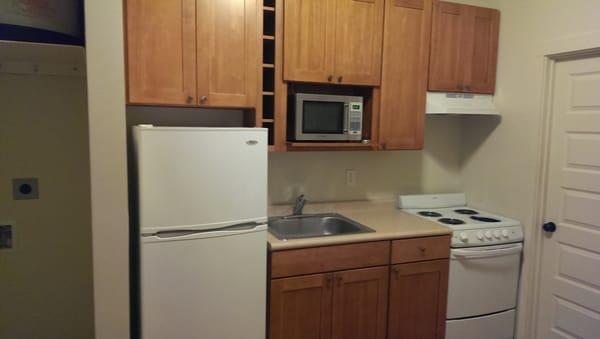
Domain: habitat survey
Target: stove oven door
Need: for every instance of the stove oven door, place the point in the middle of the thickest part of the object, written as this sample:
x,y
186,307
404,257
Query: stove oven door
x,y
483,280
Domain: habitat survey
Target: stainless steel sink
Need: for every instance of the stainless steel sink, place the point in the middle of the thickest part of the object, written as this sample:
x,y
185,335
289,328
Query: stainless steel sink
x,y
314,225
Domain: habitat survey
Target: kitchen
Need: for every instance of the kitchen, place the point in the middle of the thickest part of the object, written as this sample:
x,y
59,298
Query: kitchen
x,y
495,159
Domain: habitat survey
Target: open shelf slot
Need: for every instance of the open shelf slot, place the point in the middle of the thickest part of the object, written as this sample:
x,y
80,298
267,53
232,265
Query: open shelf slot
x,y
268,52
269,3
268,102
268,79
271,132
269,23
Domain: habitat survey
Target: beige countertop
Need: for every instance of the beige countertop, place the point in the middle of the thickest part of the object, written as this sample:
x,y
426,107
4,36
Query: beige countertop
x,y
382,216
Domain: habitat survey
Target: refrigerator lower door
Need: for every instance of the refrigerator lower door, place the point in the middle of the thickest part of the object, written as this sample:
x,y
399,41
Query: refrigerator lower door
x,y
204,284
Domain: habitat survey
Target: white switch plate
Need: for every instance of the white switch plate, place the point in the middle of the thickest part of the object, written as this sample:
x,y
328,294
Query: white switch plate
x,y
350,177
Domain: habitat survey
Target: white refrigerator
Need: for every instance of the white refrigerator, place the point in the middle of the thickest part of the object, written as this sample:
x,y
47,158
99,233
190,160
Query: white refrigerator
x,y
202,205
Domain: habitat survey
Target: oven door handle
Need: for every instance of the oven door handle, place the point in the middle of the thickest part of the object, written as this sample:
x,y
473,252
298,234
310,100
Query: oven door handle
x,y
496,252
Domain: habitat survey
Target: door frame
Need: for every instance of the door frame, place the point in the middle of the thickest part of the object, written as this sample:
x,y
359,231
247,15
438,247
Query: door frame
x,y
549,54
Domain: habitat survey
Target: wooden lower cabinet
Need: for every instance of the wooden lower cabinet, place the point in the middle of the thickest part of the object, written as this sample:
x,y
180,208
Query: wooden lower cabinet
x,y
374,290
301,307
417,304
360,303
342,305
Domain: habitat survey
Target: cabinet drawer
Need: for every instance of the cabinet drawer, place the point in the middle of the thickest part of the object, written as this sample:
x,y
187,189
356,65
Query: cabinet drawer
x,y
330,258
419,249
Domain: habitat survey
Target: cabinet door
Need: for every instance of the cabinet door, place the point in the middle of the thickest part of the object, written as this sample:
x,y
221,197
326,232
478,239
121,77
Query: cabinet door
x,y
447,66
161,52
308,40
358,42
417,304
360,303
404,73
229,57
481,50
301,307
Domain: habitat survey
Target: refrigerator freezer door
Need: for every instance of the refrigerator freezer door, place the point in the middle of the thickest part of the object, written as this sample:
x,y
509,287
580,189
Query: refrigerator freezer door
x,y
204,285
200,178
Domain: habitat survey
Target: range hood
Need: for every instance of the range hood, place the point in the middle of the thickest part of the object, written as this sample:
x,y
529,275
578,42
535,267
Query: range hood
x,y
460,103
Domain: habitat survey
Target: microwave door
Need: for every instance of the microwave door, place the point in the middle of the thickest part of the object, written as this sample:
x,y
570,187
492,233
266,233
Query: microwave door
x,y
318,120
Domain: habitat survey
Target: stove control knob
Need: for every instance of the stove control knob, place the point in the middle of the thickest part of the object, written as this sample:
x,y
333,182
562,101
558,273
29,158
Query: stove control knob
x,y
505,233
497,234
464,237
488,235
480,235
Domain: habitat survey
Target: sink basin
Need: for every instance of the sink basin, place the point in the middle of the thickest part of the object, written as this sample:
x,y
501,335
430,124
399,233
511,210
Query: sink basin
x,y
314,225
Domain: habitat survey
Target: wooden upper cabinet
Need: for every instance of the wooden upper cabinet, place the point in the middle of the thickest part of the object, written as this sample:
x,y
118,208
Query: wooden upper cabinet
x,y
446,70
229,56
308,40
464,48
300,307
417,304
404,73
481,76
360,303
333,41
193,52
358,41
161,52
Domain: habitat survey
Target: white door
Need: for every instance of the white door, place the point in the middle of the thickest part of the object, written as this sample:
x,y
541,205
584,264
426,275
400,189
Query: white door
x,y
569,304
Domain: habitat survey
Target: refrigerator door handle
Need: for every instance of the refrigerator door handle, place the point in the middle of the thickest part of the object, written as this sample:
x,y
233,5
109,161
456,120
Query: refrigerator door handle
x,y
195,234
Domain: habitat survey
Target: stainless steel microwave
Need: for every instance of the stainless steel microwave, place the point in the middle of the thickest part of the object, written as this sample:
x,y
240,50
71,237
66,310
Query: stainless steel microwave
x,y
322,117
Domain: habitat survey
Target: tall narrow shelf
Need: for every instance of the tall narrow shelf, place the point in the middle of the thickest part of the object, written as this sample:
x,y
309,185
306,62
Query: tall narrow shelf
x,y
272,113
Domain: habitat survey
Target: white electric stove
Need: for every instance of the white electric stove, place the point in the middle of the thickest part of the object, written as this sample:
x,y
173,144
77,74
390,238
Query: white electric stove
x,y
485,261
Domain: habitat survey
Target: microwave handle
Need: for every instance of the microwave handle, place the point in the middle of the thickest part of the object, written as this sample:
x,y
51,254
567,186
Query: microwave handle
x,y
346,117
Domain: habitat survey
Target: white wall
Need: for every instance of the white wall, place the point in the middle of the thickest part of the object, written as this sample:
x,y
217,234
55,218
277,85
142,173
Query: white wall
x,y
46,281
106,110
321,176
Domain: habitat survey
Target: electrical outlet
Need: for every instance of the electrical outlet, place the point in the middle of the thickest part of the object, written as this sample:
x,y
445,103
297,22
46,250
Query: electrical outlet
x,y
350,177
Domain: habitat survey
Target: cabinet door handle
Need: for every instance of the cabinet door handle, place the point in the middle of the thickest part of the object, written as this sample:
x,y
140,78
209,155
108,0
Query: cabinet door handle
x,y
189,99
340,78
396,273
203,99
422,249
328,280
330,78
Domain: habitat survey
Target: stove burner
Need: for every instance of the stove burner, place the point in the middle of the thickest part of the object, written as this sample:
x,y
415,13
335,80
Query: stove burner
x,y
466,211
430,214
451,221
485,219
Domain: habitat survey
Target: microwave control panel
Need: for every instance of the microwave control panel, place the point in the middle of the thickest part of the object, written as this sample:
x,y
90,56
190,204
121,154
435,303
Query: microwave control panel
x,y
355,113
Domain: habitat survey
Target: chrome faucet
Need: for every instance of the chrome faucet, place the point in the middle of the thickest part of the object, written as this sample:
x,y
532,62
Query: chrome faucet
x,y
299,205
